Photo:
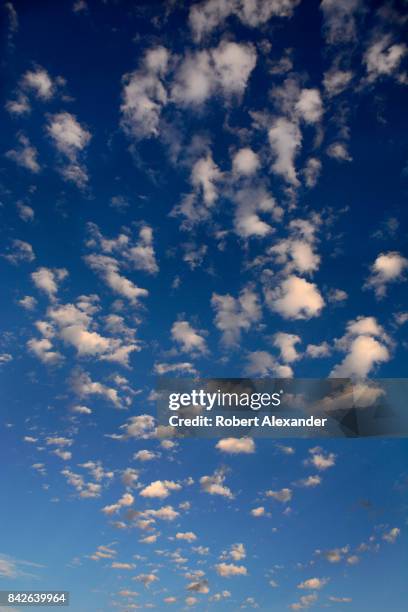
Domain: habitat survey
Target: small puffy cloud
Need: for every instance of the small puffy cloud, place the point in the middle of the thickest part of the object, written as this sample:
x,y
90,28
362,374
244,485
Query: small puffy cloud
x,y
145,455
257,512
39,82
234,315
336,81
383,57
310,482
304,602
19,106
199,586
108,269
122,566
392,535
245,162
311,171
196,206
70,138
262,363
236,446
286,343
251,202
285,140
318,350
184,367
20,252
160,489
313,584
237,552
188,338
25,212
79,409
226,570
25,155
387,268
144,95
43,350
283,495
223,70
337,295
207,15
339,18
188,536
321,460
366,346
84,386
310,106
47,279
338,150
124,502
146,579
295,298
214,485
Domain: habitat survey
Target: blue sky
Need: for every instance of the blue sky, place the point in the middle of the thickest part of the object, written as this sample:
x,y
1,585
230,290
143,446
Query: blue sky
x,y
214,188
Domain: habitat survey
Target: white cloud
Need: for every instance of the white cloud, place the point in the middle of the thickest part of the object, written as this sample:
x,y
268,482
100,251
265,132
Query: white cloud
x,y
196,206
285,140
70,138
310,481
336,81
19,252
295,298
235,446
28,302
226,570
284,495
224,70
43,350
160,489
144,95
310,106
314,584
387,268
257,512
108,269
311,171
340,20
25,212
19,106
47,279
338,150
25,155
321,460
188,338
366,345
286,343
262,363
318,350
184,367
188,536
392,535
146,579
145,455
304,602
208,15
383,58
245,162
250,201
214,485
234,315
39,82
84,386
